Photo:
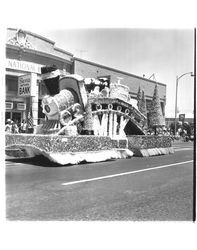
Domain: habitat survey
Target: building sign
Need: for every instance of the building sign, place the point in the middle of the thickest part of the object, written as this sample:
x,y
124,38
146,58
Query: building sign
x,y
182,117
23,66
24,85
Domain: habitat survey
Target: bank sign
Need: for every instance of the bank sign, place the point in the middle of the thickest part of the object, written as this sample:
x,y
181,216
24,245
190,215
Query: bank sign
x,y
24,85
23,66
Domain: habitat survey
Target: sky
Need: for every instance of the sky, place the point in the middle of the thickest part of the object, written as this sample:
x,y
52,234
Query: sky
x,y
142,37
166,53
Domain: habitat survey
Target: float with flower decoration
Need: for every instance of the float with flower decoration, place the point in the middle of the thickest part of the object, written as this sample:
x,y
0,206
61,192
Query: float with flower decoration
x,y
88,120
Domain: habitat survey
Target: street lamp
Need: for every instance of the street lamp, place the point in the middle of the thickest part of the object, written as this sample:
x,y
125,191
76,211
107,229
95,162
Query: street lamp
x,y
177,81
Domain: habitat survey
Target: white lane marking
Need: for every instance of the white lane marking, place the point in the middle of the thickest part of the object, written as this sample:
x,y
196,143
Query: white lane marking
x,y
126,173
182,149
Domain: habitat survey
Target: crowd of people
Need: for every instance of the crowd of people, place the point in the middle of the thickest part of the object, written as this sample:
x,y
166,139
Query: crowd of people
x,y
184,134
159,131
14,127
181,134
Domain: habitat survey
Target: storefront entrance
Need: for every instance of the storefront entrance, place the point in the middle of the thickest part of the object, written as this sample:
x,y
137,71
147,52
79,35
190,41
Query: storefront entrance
x,y
14,116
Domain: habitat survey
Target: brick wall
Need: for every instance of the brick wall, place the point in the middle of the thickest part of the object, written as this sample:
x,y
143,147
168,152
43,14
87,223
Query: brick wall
x,y
89,69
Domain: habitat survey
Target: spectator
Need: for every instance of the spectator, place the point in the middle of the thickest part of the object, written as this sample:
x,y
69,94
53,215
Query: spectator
x,y
15,128
23,127
8,126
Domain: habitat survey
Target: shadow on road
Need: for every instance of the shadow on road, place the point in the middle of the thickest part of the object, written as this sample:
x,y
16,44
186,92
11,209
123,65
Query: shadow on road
x,y
37,160
45,162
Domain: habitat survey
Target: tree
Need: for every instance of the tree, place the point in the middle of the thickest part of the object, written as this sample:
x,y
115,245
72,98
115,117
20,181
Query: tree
x,y
142,104
156,118
139,96
142,107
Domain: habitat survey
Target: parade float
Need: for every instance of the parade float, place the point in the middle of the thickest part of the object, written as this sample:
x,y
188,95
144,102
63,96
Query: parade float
x,y
87,120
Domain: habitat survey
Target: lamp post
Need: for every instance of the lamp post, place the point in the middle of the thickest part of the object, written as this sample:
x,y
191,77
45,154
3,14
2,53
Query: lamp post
x,y
177,81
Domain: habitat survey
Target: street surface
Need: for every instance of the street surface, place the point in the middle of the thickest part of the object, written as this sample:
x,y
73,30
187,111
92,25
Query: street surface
x,y
153,188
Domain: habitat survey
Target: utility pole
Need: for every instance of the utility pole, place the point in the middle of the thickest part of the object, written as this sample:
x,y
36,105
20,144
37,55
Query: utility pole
x,y
175,120
177,81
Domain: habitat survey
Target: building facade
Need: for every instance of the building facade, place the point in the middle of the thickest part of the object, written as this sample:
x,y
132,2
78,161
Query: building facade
x,y
27,52
93,70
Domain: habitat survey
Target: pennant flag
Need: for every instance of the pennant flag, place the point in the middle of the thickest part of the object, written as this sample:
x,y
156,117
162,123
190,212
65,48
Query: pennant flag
x,y
30,119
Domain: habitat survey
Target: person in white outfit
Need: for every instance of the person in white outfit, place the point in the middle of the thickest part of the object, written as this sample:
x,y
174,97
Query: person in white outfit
x,y
8,126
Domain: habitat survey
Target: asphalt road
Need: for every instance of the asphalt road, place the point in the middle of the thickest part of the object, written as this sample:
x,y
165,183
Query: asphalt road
x,y
136,189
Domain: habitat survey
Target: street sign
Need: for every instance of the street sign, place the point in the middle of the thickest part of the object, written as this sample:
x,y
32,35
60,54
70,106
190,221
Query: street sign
x,y
182,117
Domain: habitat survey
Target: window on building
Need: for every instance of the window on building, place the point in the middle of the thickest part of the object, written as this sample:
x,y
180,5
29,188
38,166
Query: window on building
x,y
12,83
42,89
